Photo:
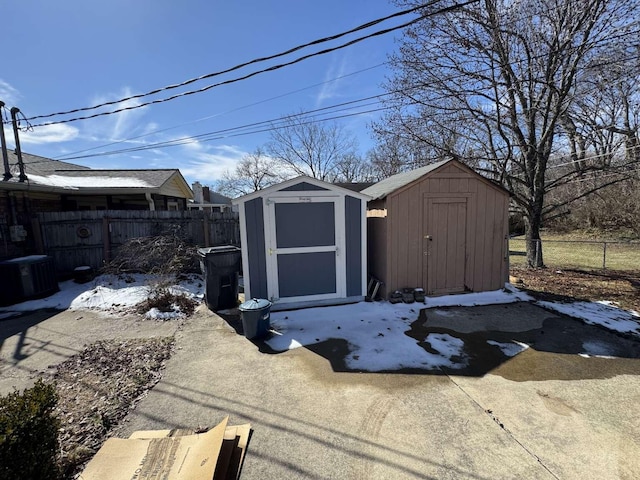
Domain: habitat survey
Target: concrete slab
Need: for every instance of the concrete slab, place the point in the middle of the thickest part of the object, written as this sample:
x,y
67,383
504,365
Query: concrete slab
x,y
546,413
519,421
311,422
511,317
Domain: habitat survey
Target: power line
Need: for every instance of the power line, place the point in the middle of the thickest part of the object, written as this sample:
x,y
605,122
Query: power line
x,y
242,65
269,69
253,128
223,113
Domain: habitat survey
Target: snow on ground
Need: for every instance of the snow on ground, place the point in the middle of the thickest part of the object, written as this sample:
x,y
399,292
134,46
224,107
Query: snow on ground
x,y
108,293
375,331
595,349
599,313
509,349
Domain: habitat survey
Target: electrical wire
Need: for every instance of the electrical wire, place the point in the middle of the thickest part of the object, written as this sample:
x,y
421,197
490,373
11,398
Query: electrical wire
x,y
258,127
245,64
275,67
269,69
222,113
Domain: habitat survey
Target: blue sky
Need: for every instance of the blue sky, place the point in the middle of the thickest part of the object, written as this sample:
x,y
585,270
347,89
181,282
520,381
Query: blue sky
x,y
73,53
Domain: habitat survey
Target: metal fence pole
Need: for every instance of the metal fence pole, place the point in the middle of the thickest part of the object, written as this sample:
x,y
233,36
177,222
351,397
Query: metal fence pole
x,y
604,256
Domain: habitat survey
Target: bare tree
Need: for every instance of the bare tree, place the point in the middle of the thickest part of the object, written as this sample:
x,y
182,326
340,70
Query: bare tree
x,y
605,116
310,148
254,172
496,78
352,168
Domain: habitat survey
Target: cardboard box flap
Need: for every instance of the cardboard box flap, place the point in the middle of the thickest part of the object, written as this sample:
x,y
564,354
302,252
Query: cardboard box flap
x,y
192,457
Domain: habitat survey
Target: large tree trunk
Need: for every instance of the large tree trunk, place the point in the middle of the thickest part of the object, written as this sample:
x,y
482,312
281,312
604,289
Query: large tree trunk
x,y
533,223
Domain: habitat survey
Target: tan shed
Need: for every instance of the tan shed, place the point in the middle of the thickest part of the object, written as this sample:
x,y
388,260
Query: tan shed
x,y
442,227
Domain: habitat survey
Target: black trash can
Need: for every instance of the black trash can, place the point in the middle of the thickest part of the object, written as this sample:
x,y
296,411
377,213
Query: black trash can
x,y
256,318
221,268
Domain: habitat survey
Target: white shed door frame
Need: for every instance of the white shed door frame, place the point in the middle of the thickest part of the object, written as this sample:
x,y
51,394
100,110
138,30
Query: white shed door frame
x,y
286,261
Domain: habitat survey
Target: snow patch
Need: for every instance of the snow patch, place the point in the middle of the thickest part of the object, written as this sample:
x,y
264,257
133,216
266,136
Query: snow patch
x,y
598,313
509,349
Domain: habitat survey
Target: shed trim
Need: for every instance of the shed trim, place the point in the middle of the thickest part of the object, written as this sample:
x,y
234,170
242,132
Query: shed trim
x,y
246,279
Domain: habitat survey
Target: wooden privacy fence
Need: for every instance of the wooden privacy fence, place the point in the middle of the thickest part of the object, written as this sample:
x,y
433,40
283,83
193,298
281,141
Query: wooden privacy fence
x,y
93,237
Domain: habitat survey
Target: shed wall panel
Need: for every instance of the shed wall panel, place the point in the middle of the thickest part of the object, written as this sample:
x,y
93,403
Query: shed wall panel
x,y
254,215
481,235
353,242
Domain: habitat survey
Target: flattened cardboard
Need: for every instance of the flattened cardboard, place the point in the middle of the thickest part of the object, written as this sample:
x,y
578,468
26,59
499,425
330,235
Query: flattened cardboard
x,y
192,457
232,452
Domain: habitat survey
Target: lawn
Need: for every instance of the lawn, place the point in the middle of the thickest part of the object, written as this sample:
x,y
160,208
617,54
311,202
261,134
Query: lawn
x,y
560,252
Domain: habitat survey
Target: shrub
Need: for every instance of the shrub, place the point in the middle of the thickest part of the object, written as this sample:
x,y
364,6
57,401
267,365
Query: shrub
x,y
166,301
160,255
29,433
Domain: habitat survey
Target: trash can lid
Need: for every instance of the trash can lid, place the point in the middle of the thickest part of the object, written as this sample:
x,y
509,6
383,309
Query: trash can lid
x,y
216,250
254,304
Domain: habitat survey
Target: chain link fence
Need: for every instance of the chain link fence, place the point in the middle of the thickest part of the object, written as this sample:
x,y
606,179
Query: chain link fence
x,y
580,254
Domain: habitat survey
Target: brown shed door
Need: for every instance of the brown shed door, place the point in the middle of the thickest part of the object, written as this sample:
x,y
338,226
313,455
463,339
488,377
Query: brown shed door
x,y
445,244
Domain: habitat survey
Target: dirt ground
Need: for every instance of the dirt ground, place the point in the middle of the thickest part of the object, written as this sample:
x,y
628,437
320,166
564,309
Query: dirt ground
x,y
616,286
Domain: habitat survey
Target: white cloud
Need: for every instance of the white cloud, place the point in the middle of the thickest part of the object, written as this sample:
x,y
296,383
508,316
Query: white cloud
x,y
46,134
329,90
8,94
207,167
121,125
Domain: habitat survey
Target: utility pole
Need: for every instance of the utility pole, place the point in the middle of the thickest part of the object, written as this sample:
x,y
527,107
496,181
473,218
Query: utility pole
x,y
14,121
3,145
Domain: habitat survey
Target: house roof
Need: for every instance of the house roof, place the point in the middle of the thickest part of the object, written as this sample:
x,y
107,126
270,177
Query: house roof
x,y
355,186
54,175
294,181
218,198
39,165
391,184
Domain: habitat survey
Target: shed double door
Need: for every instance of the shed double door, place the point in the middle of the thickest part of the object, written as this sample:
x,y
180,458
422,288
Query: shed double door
x,y
445,244
305,248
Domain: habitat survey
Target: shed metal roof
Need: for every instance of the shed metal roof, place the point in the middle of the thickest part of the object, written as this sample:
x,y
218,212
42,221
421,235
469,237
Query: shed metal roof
x,y
391,184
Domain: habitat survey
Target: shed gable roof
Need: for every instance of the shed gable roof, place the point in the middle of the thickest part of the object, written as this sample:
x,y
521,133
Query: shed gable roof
x,y
290,186
400,180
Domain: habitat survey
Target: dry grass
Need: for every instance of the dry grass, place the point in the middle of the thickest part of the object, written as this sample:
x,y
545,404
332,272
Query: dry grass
x,y
560,251
615,286
96,389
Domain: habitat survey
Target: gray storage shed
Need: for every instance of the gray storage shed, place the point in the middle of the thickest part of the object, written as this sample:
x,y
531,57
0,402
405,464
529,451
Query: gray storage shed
x,y
304,244
442,227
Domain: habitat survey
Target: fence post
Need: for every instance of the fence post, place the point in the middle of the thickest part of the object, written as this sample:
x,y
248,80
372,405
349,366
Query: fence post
x,y
205,223
604,256
106,240
37,235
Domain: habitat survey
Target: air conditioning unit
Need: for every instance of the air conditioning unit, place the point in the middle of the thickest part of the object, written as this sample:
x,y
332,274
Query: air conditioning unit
x,y
27,277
